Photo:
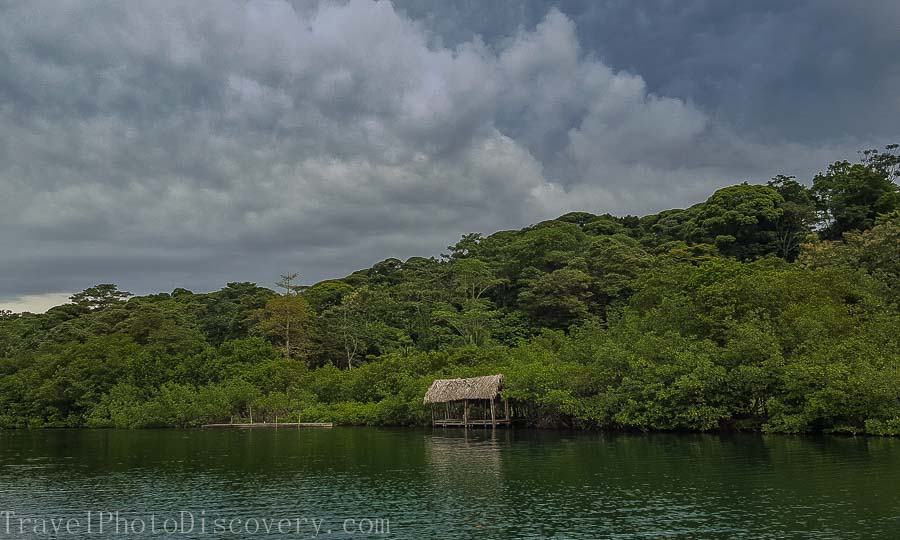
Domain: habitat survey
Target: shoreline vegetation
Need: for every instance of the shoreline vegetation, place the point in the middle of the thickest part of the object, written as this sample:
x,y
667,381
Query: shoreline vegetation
x,y
772,307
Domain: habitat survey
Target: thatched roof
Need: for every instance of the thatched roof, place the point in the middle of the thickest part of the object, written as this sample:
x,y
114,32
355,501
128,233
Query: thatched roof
x,y
444,390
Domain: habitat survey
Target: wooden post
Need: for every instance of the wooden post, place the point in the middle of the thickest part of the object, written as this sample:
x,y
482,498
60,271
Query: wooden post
x,y
493,419
465,413
432,414
506,406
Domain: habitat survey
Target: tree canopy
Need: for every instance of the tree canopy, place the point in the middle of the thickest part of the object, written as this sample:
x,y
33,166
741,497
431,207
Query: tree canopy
x,y
766,307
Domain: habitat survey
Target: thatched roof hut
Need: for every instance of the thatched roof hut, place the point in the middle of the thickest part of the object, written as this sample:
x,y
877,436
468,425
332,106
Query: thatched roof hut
x,y
448,390
482,392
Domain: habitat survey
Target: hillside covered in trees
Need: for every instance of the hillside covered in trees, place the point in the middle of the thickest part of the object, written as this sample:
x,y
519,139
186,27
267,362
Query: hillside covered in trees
x,y
769,307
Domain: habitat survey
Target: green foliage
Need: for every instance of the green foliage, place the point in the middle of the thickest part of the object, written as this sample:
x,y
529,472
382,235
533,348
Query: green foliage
x,y
739,220
99,297
853,195
877,251
559,298
286,321
731,314
798,215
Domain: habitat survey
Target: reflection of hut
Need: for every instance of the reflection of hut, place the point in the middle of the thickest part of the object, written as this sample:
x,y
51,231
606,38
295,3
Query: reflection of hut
x,y
468,462
478,395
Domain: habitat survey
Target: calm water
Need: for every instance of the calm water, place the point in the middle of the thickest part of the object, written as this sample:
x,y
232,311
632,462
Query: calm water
x,y
446,484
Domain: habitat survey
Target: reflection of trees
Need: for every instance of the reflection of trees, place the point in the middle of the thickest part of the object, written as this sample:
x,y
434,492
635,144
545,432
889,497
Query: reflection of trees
x,y
467,461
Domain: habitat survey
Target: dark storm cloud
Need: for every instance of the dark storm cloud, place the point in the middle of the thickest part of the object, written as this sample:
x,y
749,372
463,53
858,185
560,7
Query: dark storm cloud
x,y
811,70
167,144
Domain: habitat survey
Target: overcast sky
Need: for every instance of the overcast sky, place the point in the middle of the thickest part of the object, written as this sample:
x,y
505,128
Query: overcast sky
x,y
163,144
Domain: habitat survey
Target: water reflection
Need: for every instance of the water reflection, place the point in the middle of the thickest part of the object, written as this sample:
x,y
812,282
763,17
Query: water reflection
x,y
476,483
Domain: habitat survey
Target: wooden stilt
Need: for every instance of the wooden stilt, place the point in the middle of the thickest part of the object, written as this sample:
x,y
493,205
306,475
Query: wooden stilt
x,y
493,418
466,413
506,406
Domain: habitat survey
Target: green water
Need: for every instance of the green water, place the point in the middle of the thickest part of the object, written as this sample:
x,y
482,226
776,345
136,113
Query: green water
x,y
447,484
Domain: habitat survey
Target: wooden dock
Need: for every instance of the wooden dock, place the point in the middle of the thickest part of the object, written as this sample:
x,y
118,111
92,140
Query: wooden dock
x,y
273,425
460,422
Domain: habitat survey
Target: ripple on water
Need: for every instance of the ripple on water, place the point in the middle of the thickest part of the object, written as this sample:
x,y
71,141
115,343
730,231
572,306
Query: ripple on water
x,y
449,484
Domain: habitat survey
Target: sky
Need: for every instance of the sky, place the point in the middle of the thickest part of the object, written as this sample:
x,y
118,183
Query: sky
x,y
184,144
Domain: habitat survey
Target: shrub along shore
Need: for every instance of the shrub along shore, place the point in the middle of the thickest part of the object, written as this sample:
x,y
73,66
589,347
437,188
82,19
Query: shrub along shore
x,y
772,307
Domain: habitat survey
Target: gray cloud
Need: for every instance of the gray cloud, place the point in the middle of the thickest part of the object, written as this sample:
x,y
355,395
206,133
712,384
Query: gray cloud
x,y
817,71
166,144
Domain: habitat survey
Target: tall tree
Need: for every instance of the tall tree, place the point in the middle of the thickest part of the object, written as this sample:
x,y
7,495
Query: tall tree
x,y
473,320
230,312
798,215
358,324
887,162
99,297
852,195
559,298
739,220
287,283
287,317
472,278
614,262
